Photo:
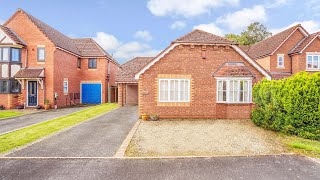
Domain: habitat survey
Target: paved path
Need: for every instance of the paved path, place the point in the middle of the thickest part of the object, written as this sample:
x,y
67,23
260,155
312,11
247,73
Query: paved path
x,y
263,167
11,124
100,137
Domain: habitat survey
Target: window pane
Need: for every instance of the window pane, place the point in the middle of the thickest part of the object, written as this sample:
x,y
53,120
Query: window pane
x,y
163,90
15,55
187,90
309,65
315,62
245,91
241,90
15,86
0,54
174,87
5,54
4,86
182,91
41,54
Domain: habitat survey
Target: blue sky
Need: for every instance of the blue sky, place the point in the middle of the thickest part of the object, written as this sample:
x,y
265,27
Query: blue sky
x,y
145,27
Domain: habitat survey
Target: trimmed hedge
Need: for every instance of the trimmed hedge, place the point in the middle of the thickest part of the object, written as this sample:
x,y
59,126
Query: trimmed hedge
x,y
290,105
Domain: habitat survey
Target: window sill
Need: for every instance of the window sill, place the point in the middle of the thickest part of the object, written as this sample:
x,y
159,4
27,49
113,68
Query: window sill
x,y
312,70
181,104
234,103
280,67
92,69
41,62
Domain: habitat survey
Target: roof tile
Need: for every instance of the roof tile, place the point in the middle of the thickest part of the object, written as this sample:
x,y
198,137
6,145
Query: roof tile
x,y
130,68
233,69
12,35
199,36
269,45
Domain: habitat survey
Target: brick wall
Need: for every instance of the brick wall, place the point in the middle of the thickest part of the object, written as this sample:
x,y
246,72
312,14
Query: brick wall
x,y
65,68
285,49
265,63
299,60
184,60
21,25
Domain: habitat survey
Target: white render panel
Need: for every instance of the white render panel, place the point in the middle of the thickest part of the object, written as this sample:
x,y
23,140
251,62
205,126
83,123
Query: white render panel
x,y
5,71
14,69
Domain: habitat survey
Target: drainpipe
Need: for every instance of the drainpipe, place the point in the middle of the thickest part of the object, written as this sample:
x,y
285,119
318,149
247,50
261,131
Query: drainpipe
x,y
108,77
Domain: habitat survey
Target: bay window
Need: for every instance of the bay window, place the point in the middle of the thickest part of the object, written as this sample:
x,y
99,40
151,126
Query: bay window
x,y
174,90
313,62
234,90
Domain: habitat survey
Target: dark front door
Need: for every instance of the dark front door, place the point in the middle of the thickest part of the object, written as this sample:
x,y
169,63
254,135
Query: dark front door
x,y
32,93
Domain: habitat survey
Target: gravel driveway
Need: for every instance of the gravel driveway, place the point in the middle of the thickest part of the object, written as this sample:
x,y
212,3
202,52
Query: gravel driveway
x,y
202,138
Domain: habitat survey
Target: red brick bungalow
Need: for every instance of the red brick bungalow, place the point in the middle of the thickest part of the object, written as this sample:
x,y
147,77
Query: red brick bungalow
x,y
38,62
288,52
200,75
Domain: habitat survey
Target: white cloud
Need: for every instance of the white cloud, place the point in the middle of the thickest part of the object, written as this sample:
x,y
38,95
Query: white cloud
x,y
241,19
107,41
186,8
123,51
311,26
145,35
178,25
276,3
211,28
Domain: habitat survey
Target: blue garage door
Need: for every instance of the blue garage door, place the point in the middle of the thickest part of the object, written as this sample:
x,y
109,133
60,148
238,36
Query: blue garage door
x,y
91,93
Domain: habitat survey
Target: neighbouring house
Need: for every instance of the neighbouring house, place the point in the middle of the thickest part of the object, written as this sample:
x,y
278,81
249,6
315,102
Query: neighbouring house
x,y
39,63
288,52
127,84
200,75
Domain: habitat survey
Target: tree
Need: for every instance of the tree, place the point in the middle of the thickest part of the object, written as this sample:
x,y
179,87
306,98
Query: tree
x,y
254,33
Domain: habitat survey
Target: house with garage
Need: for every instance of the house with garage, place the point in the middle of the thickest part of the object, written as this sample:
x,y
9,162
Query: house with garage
x,y
127,84
39,63
288,52
200,75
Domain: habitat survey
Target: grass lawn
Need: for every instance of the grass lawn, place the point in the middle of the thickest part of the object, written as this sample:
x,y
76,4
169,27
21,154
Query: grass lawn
x,y
8,114
32,133
302,146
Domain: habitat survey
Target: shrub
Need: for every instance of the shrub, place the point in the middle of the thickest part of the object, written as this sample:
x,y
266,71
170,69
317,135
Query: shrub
x,y
289,105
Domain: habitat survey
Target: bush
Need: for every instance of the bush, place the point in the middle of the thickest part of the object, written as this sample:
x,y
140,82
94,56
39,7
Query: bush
x,y
289,105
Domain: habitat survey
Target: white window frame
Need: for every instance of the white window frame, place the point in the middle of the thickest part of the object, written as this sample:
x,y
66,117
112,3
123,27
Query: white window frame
x,y
65,85
173,79
228,95
312,61
278,64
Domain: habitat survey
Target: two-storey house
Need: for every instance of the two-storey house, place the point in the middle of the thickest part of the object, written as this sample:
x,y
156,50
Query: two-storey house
x,y
39,63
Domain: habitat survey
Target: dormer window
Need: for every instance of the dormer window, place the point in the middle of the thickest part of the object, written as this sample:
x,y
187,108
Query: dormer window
x,y
280,63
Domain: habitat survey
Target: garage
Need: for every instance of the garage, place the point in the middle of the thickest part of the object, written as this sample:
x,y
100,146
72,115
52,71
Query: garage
x,y
132,94
91,93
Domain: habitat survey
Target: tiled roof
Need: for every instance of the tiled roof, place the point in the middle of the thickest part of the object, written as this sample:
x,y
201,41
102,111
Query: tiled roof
x,y
130,68
29,73
89,48
199,36
279,75
304,42
59,39
12,35
233,69
269,45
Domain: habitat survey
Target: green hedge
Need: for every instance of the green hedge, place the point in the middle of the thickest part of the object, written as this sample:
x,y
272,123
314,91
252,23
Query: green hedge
x,y
290,105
